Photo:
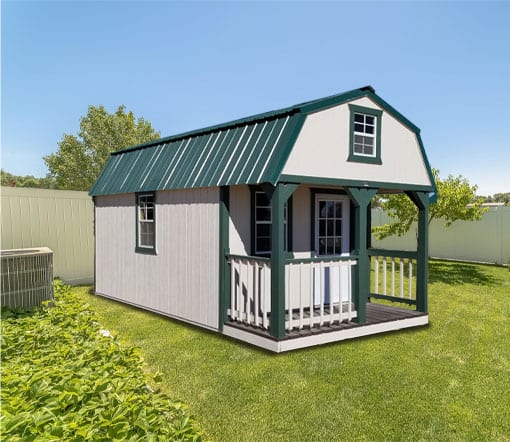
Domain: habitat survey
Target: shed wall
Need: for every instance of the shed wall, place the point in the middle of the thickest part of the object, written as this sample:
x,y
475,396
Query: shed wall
x,y
182,279
322,149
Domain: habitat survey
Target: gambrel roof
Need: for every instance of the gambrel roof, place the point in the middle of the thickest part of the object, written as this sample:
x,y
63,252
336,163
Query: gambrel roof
x,y
251,150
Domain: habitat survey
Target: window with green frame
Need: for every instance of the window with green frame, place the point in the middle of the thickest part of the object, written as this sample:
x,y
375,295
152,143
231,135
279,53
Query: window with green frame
x,y
261,224
146,222
365,135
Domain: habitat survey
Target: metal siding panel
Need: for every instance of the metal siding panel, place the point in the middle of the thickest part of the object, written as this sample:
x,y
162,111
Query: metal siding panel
x,y
227,154
249,163
237,173
231,155
265,150
208,170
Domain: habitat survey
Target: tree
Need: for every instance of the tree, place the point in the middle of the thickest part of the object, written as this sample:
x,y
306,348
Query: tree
x,y
10,180
79,159
456,201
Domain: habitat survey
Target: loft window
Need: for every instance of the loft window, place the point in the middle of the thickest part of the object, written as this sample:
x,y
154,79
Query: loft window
x,y
146,223
261,231
365,135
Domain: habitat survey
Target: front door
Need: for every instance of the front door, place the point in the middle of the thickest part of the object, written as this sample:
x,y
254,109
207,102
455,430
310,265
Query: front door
x,y
331,240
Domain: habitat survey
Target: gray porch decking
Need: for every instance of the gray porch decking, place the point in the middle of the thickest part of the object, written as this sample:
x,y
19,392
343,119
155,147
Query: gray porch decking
x,y
380,318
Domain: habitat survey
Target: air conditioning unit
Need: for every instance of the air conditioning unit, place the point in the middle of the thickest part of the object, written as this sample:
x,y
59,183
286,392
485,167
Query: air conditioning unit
x,y
27,277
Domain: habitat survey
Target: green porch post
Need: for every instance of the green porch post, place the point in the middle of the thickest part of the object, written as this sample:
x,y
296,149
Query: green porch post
x,y
421,200
224,283
361,198
280,194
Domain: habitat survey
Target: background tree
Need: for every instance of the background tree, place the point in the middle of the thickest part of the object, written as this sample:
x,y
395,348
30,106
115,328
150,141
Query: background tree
x,y
10,180
456,201
79,159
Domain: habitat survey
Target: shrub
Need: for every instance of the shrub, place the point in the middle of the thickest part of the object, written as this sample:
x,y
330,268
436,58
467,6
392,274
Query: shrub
x,y
63,378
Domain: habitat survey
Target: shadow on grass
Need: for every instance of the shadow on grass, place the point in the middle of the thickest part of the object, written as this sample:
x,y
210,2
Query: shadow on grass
x,y
454,273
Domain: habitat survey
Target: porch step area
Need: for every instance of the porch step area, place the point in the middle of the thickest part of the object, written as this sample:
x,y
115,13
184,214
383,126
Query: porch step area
x,y
380,318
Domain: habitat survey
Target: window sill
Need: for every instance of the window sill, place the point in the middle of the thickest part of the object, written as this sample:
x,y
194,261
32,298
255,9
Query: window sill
x,y
146,250
363,159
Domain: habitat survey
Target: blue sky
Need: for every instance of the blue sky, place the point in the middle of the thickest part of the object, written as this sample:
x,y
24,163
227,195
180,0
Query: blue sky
x,y
185,65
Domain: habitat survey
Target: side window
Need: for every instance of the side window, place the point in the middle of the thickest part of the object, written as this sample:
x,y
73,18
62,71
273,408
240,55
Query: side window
x,y
365,135
146,223
261,231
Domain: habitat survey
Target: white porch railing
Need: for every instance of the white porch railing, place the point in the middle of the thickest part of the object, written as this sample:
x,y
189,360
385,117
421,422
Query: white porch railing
x,y
250,290
317,292
392,275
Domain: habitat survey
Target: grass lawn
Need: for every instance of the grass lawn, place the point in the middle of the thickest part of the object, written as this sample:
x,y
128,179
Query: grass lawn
x,y
447,381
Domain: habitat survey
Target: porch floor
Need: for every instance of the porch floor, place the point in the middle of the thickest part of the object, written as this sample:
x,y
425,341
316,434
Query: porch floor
x,y
380,318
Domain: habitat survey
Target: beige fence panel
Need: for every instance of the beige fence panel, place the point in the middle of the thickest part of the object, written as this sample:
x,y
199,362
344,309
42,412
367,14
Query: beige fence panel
x,y
487,240
59,219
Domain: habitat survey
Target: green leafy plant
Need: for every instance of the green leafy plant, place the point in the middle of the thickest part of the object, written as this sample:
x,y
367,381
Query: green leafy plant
x,y
65,378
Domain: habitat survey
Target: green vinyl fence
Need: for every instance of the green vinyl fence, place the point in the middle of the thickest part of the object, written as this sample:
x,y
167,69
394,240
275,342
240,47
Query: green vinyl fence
x,y
59,219
487,240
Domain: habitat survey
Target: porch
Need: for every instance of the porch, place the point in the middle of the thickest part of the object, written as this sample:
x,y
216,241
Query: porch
x,y
298,269
320,297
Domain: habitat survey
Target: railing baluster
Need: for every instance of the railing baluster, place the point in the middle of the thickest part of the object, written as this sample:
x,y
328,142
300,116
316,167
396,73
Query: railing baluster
x,y
376,281
401,262
410,279
256,295
288,277
263,296
331,303
301,274
312,291
392,276
321,295
232,289
384,274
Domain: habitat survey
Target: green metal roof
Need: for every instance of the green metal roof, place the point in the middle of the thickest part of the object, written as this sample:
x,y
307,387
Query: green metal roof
x,y
247,151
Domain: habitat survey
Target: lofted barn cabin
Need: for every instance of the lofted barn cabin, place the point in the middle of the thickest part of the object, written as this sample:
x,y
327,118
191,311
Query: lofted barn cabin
x,y
259,228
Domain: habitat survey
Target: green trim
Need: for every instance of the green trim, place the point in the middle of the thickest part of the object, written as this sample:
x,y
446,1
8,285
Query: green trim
x,y
362,158
421,200
393,253
281,194
362,198
139,249
224,268
392,298
433,198
303,179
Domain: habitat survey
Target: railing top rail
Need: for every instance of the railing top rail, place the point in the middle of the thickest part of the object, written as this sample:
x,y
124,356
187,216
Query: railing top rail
x,y
393,253
249,258
321,259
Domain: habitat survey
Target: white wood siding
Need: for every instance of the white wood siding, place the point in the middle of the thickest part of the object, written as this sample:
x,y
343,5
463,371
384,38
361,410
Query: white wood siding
x,y
240,220
182,279
322,149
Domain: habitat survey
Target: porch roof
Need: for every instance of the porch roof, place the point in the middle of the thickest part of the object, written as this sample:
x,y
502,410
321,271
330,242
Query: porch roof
x,y
251,150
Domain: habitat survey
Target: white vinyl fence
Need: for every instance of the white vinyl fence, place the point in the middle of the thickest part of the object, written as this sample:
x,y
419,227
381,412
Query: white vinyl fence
x,y
487,240
59,219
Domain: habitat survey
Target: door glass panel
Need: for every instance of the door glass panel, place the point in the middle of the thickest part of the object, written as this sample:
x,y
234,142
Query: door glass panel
x,y
329,222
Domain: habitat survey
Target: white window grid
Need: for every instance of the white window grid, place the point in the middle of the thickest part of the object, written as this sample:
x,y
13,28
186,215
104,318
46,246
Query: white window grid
x,y
146,218
333,226
268,222
365,127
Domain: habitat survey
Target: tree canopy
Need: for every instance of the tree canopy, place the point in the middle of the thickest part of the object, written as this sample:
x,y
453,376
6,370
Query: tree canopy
x,y
10,180
457,201
79,159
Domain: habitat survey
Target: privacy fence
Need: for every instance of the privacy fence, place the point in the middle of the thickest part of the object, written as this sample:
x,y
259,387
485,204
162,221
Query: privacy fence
x,y
59,219
487,240
63,221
